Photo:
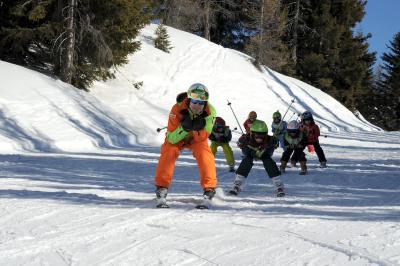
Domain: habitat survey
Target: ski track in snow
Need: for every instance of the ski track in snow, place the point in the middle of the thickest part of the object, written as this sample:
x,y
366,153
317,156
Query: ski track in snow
x,y
112,219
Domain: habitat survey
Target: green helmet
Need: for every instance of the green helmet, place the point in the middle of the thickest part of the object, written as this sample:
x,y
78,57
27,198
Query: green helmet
x,y
276,115
198,91
259,126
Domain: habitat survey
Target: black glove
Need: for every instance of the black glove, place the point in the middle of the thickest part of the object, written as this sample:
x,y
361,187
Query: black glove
x,y
186,122
199,123
252,153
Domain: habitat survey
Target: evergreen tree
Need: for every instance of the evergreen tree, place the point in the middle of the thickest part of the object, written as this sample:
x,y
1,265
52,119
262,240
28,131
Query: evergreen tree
x,y
180,14
27,33
267,21
215,20
101,34
387,95
391,68
329,54
162,39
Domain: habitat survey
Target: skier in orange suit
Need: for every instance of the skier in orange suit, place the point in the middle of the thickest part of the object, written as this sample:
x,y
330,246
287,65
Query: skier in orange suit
x,y
190,123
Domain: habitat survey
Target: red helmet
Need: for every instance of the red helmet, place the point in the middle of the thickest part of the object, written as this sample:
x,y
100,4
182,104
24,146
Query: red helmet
x,y
252,115
219,122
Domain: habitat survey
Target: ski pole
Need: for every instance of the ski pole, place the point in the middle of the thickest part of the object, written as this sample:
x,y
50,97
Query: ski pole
x,y
160,128
235,129
298,116
229,103
290,105
279,125
291,116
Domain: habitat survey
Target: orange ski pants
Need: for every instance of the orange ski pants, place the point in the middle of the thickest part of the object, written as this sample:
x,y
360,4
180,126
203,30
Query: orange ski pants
x,y
205,163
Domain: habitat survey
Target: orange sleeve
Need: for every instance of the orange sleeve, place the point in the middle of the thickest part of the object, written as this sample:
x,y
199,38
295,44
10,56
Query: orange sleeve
x,y
175,132
174,118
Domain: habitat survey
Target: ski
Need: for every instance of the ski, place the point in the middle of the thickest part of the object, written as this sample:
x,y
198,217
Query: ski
x,y
202,207
204,204
280,194
233,192
162,206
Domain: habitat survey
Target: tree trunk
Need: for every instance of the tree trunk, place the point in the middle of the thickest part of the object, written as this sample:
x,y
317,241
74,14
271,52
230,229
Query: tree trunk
x,y
68,64
207,19
60,6
295,30
260,39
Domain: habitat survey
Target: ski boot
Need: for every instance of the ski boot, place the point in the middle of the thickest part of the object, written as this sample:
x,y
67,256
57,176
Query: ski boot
x,y
303,168
239,181
282,167
279,188
208,195
161,194
322,164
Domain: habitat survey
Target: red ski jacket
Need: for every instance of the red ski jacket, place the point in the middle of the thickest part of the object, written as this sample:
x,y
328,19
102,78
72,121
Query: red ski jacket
x,y
311,130
247,125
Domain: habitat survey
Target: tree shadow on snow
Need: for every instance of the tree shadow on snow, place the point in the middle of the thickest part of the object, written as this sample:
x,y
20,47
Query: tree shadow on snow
x,y
87,178
30,141
340,192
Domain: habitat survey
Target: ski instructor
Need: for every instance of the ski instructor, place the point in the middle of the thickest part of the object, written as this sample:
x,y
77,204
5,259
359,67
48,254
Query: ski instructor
x,y
190,123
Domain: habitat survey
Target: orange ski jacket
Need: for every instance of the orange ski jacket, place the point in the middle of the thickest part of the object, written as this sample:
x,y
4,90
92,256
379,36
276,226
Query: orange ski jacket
x,y
177,135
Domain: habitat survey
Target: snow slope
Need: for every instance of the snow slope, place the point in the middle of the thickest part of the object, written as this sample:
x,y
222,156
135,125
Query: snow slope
x,y
76,171
115,114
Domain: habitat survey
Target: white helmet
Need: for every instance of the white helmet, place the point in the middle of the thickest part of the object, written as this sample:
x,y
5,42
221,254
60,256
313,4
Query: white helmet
x,y
293,125
198,91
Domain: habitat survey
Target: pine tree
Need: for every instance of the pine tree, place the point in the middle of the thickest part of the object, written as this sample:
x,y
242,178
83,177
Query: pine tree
x,y
162,39
100,34
106,35
329,54
391,67
267,21
388,94
27,33
180,14
215,20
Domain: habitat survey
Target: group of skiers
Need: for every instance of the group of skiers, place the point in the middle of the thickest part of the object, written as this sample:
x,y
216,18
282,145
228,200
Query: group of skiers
x,y
193,121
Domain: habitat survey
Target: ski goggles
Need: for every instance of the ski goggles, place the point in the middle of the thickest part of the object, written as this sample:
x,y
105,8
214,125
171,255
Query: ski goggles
x,y
259,135
200,102
293,131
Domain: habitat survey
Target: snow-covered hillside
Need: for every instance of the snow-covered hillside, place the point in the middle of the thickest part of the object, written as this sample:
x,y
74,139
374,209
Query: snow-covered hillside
x,y
115,114
76,171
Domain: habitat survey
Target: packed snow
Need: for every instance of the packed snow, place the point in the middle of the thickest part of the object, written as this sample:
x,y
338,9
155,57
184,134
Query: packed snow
x,y
77,169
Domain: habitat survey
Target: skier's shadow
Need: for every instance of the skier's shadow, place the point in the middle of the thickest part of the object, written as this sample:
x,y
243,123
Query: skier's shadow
x,y
327,194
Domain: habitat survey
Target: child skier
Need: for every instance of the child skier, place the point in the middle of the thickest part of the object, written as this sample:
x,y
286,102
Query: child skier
x,y
190,122
249,121
257,145
311,130
279,128
295,142
220,136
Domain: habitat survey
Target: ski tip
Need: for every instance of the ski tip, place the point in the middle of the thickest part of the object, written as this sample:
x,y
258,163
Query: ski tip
x,y
233,193
202,207
162,206
219,193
